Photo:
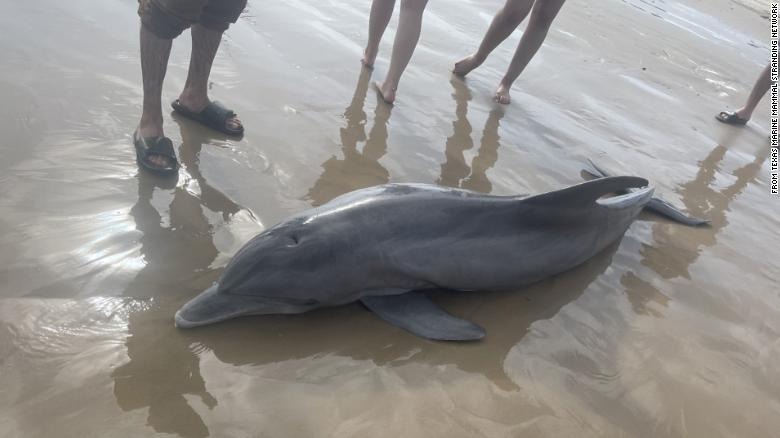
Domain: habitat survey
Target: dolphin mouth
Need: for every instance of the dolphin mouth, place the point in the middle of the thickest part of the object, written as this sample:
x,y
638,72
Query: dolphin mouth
x,y
180,321
211,307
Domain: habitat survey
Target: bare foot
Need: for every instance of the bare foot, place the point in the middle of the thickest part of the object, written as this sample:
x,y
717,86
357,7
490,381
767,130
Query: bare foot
x,y
386,92
196,103
502,95
369,56
466,65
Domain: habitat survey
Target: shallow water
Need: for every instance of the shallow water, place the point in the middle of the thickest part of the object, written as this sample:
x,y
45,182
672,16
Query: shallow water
x,y
673,332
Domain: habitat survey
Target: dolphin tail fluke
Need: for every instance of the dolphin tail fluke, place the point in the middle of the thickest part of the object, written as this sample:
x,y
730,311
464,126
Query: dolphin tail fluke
x,y
596,171
414,312
657,205
669,211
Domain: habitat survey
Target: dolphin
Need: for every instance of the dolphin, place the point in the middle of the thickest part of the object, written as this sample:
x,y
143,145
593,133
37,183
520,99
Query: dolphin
x,y
385,246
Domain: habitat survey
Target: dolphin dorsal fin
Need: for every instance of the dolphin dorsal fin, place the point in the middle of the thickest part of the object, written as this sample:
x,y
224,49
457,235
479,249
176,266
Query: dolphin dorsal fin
x,y
588,192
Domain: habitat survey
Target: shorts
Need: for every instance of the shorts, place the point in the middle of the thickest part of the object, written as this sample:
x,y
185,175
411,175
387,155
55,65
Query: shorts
x,y
168,18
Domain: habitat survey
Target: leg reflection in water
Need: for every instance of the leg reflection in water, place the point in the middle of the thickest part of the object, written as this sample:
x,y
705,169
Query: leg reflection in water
x,y
178,250
702,197
358,169
454,171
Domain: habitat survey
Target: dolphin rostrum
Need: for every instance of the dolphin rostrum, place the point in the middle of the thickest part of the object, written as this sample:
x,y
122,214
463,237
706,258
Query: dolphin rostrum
x,y
386,245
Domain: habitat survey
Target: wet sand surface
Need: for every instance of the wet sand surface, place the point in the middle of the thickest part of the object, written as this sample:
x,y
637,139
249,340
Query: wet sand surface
x,y
673,332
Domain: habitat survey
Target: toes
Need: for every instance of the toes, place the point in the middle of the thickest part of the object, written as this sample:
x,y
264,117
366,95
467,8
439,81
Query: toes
x,y
233,124
459,67
464,66
502,95
503,99
159,161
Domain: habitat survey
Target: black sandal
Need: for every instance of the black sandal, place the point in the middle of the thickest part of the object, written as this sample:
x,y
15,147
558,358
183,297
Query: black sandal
x,y
145,147
730,118
214,115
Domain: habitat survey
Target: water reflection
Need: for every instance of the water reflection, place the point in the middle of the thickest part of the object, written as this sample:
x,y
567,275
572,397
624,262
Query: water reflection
x,y
162,368
358,169
454,171
669,256
643,296
702,197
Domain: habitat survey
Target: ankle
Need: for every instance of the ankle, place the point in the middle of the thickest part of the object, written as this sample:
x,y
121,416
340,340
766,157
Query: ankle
x,y
389,85
151,119
369,55
477,58
743,113
194,96
370,49
150,127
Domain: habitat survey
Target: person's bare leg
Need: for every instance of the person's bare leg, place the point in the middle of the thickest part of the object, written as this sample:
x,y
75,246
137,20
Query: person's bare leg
x,y
154,63
504,23
406,37
381,11
542,16
759,90
194,97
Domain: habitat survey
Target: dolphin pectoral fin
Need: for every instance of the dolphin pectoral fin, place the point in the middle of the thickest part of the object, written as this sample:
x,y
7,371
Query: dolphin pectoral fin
x,y
414,312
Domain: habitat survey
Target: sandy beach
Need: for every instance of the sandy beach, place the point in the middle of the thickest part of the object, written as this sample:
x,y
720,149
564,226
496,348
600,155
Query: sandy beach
x,y
675,332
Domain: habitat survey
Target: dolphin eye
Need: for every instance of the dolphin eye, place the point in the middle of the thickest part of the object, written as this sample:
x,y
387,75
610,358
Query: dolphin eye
x,y
293,239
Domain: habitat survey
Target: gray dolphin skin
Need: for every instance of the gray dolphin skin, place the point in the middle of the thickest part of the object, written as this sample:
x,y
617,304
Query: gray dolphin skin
x,y
386,245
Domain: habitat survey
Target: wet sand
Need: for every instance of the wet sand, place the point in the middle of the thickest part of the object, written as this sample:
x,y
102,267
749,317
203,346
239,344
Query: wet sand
x,y
673,332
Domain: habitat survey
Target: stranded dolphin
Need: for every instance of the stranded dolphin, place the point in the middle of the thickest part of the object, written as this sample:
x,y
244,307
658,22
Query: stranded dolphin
x,y
386,245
